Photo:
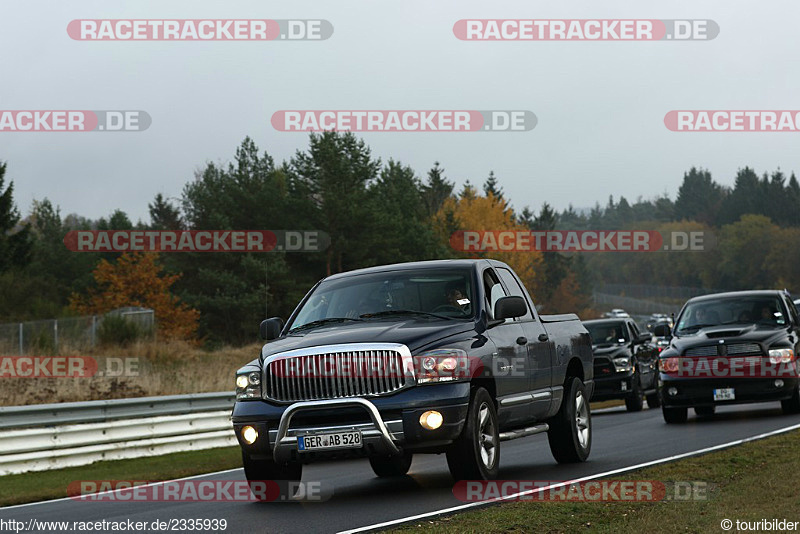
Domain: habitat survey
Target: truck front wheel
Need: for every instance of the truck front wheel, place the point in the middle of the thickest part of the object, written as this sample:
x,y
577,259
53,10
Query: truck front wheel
x,y
262,475
570,433
391,466
475,455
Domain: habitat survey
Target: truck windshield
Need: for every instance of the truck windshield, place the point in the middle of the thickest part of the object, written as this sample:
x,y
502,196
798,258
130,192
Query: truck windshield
x,y
767,312
429,294
610,333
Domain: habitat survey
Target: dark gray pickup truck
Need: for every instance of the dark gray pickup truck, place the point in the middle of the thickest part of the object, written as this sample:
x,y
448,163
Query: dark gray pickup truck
x,y
431,357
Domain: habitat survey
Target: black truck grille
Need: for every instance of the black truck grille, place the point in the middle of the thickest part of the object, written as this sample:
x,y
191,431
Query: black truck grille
x,y
334,375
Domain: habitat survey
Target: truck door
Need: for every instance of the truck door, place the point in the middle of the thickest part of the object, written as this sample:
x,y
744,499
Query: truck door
x,y
540,348
509,359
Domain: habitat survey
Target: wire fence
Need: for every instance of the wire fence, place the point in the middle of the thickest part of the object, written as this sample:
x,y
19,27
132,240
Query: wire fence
x,y
76,333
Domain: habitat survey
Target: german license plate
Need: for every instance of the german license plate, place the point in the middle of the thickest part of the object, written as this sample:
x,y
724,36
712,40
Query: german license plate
x,y
623,386
329,440
724,394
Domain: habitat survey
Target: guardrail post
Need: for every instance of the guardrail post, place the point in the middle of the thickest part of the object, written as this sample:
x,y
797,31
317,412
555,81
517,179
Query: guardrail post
x,y
21,353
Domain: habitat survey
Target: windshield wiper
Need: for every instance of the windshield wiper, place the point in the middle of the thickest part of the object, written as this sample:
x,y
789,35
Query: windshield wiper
x,y
403,312
321,322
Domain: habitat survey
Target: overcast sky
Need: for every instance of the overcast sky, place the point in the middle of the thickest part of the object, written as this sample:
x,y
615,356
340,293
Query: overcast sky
x,y
600,105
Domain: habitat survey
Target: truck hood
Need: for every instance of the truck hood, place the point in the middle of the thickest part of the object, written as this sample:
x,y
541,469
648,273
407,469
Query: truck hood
x,y
415,333
729,334
609,350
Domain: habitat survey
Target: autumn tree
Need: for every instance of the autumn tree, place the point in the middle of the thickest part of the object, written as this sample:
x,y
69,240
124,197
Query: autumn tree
x,y
136,279
472,212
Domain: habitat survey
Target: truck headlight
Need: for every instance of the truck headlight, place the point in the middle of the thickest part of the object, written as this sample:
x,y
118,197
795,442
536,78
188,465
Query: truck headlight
x,y
622,364
442,365
781,355
248,385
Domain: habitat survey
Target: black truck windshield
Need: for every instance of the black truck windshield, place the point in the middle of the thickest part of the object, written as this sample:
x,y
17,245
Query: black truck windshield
x,y
766,312
610,333
429,294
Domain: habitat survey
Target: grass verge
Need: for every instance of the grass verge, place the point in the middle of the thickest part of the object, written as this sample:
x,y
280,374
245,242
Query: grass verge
x,y
750,482
46,485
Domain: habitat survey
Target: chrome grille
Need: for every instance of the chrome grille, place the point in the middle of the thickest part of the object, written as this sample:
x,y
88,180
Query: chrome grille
x,y
748,349
710,350
321,375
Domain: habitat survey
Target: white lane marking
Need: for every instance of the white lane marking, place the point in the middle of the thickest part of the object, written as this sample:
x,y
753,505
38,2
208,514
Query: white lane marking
x,y
444,511
121,489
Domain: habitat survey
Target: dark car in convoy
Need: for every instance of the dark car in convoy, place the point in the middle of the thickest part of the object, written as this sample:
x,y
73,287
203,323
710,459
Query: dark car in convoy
x,y
478,365
730,348
624,363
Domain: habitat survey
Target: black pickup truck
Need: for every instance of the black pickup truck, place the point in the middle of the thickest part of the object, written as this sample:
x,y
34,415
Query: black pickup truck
x,y
442,356
624,363
730,348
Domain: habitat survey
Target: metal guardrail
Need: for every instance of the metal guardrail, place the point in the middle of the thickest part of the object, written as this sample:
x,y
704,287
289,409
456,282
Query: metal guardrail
x,y
53,436
37,415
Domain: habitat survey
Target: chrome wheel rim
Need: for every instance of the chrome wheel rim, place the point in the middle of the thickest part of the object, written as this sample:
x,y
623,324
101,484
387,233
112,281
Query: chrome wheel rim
x,y
582,419
487,436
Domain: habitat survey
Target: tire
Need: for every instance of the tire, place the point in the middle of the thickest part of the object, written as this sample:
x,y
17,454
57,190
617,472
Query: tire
x,y
675,415
653,400
570,434
391,466
705,411
285,476
475,455
635,402
792,406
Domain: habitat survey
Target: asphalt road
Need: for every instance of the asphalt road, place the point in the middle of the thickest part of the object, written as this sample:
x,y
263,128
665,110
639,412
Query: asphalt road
x,y
360,499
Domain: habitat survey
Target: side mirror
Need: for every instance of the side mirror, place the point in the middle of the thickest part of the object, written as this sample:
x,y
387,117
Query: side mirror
x,y
662,330
270,328
644,338
510,307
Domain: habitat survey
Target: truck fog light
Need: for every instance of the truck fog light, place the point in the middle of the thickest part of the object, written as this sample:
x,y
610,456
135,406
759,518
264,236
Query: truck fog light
x,y
249,434
779,383
672,391
241,381
431,420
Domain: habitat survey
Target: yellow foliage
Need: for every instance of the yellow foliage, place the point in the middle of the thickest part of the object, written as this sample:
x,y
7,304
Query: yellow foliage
x,y
137,280
472,212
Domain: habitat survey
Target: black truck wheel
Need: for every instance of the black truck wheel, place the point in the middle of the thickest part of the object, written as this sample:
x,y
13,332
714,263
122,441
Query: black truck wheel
x,y
705,411
674,415
475,455
635,401
653,400
261,474
790,406
570,433
391,466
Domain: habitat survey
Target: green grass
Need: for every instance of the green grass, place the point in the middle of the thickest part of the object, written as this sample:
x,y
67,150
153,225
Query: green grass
x,y
751,482
45,485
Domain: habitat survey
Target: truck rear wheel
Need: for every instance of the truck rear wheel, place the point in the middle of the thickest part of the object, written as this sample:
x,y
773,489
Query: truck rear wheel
x,y
570,433
635,402
261,474
475,455
391,466
653,400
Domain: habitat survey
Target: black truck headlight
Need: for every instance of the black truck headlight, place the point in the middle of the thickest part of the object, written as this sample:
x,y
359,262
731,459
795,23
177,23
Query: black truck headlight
x,y
442,365
622,364
248,385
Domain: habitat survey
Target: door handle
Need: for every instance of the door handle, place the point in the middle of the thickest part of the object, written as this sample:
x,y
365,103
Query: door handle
x,y
522,340
543,337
